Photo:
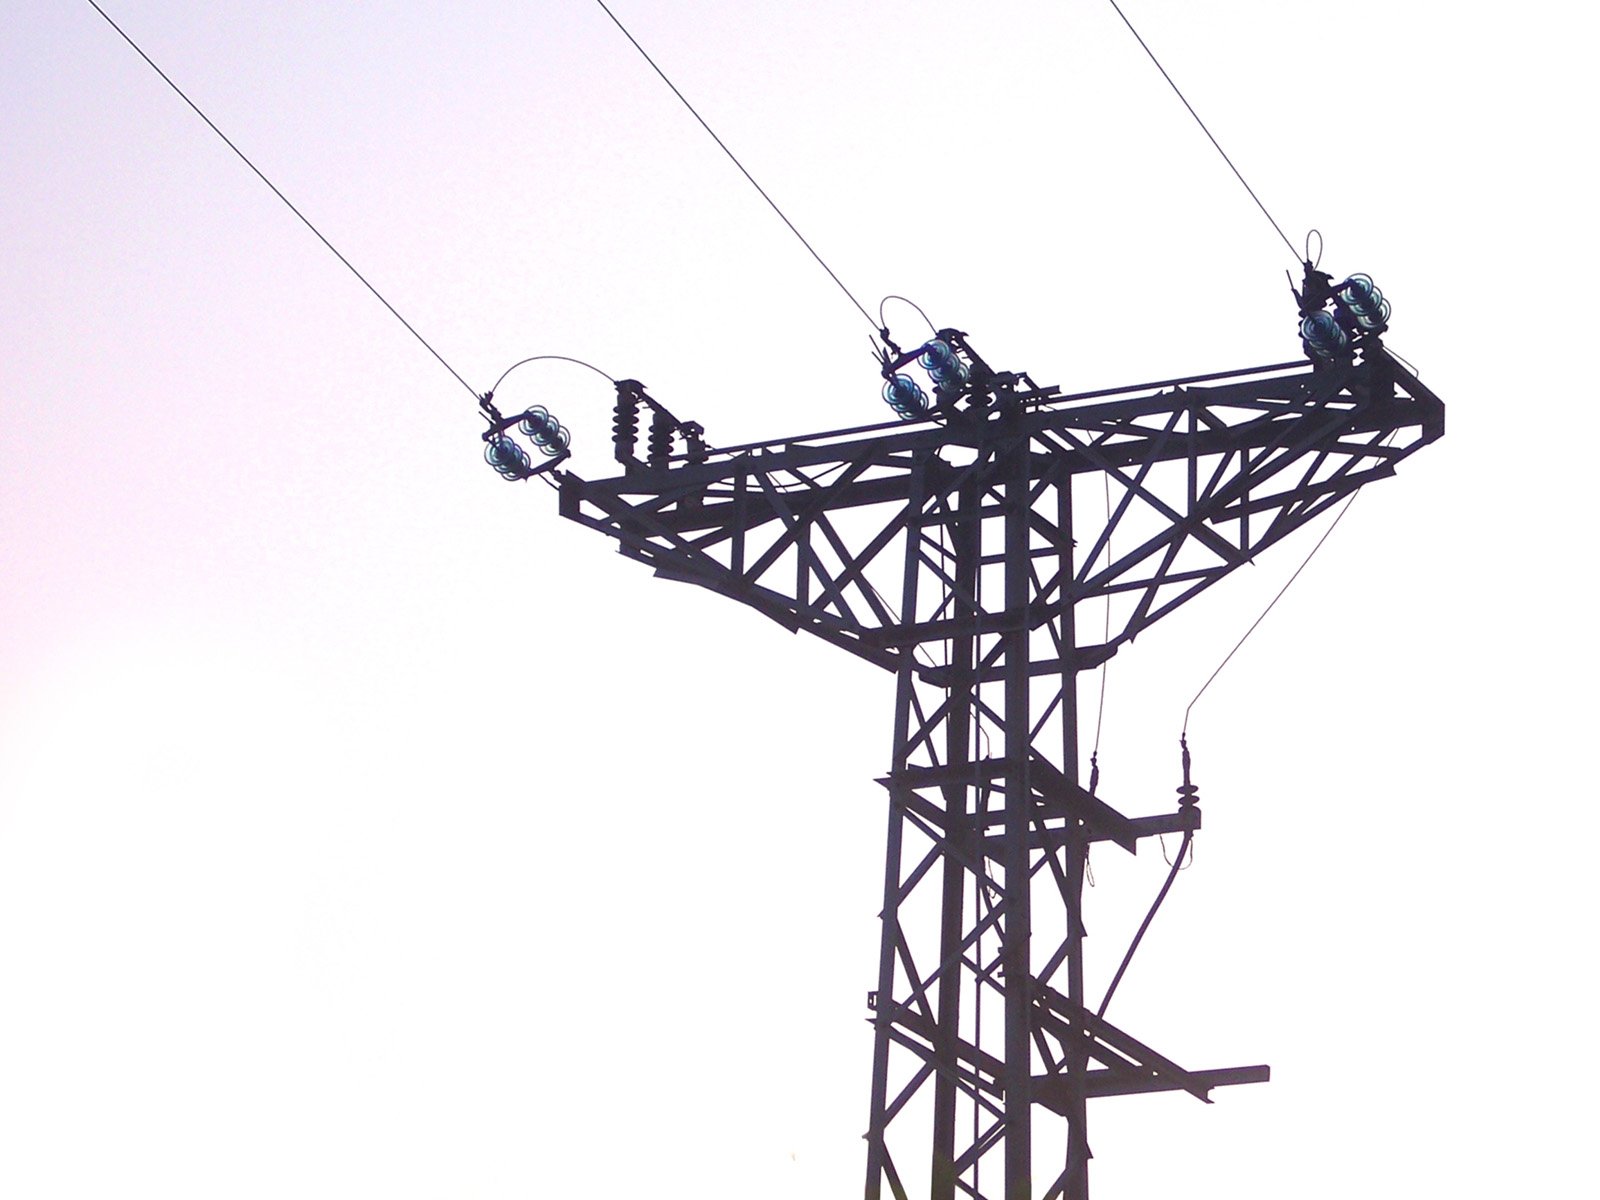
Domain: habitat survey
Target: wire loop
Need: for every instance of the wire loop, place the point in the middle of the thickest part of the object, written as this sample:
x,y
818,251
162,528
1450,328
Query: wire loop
x,y
884,325
545,358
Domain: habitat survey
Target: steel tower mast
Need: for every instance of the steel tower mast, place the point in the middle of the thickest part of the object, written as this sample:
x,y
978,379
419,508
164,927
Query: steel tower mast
x,y
955,551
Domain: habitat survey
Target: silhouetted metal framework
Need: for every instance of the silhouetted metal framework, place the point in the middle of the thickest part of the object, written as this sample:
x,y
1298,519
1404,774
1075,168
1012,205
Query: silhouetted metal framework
x,y
955,552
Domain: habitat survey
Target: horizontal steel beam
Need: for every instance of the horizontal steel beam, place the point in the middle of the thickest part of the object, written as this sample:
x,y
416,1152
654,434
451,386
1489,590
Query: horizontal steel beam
x,y
1054,1091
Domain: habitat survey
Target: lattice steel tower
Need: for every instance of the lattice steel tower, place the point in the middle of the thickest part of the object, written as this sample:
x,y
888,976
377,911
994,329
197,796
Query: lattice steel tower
x,y
954,550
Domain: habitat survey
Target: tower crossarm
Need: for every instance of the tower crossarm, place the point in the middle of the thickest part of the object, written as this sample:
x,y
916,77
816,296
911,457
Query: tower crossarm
x,y
1191,479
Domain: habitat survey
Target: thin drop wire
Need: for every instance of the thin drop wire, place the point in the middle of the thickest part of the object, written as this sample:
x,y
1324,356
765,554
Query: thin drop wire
x,y
1204,130
303,219
1100,709
1401,359
770,201
1166,859
1326,533
921,656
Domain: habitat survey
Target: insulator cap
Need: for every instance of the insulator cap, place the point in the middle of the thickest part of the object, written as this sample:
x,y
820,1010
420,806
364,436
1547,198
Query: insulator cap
x,y
1322,336
943,365
1360,297
545,431
506,457
659,445
905,397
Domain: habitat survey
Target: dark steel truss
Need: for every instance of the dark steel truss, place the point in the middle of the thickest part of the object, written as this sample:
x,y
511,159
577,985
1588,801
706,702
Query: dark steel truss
x,y
955,553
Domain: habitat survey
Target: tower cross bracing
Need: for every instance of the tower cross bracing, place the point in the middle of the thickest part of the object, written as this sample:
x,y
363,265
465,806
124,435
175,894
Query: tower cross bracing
x,y
957,552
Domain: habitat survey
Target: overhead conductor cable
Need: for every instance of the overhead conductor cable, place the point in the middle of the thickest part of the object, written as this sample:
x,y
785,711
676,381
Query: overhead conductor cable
x,y
733,159
287,203
1204,130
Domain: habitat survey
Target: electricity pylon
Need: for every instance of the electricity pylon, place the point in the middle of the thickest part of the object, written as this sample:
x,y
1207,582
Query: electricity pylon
x,y
955,551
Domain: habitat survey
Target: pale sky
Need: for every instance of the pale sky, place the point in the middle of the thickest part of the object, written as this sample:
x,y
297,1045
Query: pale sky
x,y
368,830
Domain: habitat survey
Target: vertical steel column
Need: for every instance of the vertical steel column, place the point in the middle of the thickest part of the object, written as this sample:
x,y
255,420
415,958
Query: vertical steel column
x,y
1016,940
960,840
1077,854
905,690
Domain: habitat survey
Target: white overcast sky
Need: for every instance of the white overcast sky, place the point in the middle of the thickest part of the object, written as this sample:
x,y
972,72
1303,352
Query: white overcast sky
x,y
367,830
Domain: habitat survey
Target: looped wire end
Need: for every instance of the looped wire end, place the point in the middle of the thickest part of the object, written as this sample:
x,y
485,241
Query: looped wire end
x,y
1317,262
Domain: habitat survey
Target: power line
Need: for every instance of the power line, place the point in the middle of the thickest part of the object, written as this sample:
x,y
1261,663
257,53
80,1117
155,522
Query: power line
x,y
303,219
770,201
1204,130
